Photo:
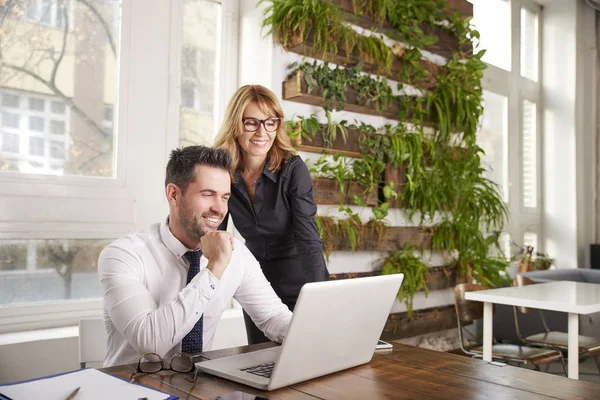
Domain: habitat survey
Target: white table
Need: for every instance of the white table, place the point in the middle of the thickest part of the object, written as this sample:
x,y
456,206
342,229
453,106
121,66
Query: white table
x,y
574,298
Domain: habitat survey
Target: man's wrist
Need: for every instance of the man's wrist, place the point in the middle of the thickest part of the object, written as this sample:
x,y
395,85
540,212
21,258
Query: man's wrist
x,y
217,268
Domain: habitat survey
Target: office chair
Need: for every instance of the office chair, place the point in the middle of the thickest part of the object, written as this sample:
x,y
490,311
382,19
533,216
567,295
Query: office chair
x,y
92,341
468,311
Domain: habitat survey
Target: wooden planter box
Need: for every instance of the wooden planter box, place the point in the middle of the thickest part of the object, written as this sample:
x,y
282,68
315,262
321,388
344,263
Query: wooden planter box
x,y
439,277
398,326
327,191
295,89
446,44
317,144
462,6
392,238
306,48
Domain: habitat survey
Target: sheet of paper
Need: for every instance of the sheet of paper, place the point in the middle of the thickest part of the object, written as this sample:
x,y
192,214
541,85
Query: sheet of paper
x,y
95,385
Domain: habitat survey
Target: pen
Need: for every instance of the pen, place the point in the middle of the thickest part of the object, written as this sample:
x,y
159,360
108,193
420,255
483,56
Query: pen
x,y
73,393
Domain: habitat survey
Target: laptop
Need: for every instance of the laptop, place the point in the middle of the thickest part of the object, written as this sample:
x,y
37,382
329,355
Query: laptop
x,y
335,326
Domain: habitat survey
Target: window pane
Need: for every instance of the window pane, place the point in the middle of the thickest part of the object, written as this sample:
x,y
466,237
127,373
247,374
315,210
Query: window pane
x,y
504,241
10,142
529,44
493,139
10,120
36,124
492,19
199,76
36,146
36,104
10,100
86,74
47,270
57,149
529,154
58,107
57,127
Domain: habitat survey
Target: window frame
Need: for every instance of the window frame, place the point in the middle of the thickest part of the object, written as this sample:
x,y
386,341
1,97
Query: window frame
x,y
517,89
130,200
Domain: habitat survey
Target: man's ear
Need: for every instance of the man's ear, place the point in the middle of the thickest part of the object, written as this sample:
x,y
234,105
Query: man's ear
x,y
173,193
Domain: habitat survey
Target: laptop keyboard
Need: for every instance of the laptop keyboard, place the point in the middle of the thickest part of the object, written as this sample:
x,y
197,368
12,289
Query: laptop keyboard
x,y
261,370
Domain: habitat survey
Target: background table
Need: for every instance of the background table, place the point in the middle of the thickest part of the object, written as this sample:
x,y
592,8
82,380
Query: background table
x,y
573,298
405,372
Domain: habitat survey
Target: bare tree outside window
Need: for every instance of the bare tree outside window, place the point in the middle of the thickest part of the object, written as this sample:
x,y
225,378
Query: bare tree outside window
x,y
58,71
33,270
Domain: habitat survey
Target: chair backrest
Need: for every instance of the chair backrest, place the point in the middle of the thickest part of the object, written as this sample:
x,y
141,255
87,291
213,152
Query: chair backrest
x,y
466,310
521,280
92,341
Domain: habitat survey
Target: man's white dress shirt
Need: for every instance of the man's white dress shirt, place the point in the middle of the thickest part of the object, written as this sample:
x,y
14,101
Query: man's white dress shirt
x,y
149,309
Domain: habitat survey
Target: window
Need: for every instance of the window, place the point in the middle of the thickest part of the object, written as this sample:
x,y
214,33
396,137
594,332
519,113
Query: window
x,y
529,167
199,77
492,20
10,143
87,181
49,270
36,146
46,85
55,84
510,133
493,139
52,13
529,44
30,124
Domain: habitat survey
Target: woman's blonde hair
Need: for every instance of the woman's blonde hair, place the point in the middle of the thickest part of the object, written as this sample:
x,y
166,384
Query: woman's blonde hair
x,y
232,125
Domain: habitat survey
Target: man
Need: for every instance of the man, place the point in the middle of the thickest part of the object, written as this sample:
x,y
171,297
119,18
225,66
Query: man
x,y
166,287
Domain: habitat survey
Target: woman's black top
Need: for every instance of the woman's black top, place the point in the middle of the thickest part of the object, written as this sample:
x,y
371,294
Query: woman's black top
x,y
280,228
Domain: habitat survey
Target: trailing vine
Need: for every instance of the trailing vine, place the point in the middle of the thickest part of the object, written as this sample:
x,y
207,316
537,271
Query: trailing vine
x,y
415,273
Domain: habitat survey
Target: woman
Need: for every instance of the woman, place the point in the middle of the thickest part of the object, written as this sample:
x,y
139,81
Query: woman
x,y
271,203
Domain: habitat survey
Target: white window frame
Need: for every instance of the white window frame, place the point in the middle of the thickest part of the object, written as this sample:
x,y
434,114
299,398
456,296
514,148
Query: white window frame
x,y
517,88
76,207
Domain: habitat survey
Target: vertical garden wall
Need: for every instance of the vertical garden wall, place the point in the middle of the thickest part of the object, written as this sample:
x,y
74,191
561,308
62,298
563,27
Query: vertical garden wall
x,y
384,98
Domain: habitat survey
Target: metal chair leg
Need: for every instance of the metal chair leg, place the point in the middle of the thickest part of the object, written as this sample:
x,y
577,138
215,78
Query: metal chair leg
x,y
564,365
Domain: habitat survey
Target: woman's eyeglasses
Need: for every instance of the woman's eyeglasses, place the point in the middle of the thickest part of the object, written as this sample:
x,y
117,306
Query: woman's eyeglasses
x,y
150,363
252,124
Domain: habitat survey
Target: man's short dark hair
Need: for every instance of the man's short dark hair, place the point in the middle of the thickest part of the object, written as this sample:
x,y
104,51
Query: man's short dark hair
x,y
182,163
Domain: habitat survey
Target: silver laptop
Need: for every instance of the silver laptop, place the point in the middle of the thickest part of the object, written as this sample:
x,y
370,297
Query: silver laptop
x,y
336,325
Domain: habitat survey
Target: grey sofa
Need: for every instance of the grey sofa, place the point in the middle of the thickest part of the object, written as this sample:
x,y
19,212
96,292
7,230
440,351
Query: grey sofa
x,y
589,325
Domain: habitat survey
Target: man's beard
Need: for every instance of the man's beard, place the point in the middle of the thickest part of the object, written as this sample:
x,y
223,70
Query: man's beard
x,y
190,223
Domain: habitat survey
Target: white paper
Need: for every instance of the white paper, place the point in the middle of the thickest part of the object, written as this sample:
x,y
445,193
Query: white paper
x,y
94,385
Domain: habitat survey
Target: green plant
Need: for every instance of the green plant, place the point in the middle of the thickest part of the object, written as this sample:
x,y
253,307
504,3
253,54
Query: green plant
x,y
445,180
308,128
415,273
337,169
321,24
333,83
531,261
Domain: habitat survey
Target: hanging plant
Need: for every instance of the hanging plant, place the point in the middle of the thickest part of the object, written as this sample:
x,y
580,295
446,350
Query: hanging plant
x,y
415,273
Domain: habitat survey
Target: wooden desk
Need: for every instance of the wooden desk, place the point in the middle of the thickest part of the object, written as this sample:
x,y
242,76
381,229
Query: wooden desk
x,y
405,372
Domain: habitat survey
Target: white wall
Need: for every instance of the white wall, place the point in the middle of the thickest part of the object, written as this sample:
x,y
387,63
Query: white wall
x,y
568,131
